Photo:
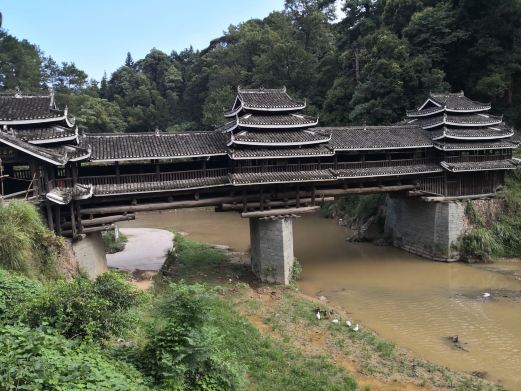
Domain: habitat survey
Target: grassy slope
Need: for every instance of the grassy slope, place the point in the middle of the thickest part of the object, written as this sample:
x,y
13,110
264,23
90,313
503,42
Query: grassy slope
x,y
275,334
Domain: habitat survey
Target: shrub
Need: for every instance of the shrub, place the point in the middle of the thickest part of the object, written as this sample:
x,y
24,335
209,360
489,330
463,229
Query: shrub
x,y
182,350
26,245
478,244
14,291
111,244
81,308
33,360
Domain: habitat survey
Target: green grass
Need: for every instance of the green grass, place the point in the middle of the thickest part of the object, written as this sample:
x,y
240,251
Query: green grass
x,y
26,245
191,253
112,245
270,365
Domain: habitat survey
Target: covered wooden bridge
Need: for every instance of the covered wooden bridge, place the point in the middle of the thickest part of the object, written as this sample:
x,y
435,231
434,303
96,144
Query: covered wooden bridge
x,y
268,161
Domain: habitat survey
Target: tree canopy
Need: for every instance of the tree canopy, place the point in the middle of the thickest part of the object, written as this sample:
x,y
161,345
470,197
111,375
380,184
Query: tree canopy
x,y
380,58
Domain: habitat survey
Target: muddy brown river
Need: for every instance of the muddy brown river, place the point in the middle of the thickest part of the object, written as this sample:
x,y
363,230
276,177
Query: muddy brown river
x,y
411,301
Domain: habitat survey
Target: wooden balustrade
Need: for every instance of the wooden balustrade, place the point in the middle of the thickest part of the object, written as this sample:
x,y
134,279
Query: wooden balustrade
x,y
333,166
475,158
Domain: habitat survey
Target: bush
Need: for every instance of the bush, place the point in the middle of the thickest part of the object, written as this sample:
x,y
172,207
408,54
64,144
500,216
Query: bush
x,y
81,308
357,207
478,244
33,360
26,245
111,244
182,350
14,291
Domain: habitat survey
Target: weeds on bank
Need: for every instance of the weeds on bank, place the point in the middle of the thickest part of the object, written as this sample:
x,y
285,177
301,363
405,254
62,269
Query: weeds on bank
x,y
26,245
113,245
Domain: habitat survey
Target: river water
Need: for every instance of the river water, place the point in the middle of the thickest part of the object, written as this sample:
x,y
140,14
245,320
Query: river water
x,y
411,301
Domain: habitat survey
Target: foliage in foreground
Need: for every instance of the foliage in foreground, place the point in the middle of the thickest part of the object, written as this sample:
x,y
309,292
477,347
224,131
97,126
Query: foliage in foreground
x,y
182,349
31,359
26,245
82,308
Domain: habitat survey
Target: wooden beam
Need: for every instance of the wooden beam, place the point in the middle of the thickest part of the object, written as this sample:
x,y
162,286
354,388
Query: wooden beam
x,y
103,220
276,212
253,205
92,229
459,198
319,195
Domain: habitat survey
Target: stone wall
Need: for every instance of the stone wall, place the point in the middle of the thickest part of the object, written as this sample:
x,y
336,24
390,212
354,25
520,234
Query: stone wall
x,y
272,249
429,229
90,254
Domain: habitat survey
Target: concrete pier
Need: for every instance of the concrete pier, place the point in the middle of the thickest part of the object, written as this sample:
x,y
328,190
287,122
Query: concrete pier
x,y
90,254
429,229
272,249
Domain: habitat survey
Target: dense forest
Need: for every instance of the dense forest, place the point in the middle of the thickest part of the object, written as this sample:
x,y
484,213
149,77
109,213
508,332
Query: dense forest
x,y
381,58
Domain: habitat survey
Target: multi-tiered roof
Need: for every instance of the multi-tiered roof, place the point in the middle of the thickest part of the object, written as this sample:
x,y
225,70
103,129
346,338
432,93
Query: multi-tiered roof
x,y
457,123
268,123
34,125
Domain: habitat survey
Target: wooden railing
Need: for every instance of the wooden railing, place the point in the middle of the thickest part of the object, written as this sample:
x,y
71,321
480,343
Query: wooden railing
x,y
133,181
333,166
475,158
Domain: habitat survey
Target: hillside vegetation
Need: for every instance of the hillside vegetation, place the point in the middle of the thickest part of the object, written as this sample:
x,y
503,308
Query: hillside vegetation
x,y
380,58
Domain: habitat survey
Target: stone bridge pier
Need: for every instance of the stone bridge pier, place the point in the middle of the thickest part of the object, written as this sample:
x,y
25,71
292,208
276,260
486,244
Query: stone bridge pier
x,y
428,229
272,255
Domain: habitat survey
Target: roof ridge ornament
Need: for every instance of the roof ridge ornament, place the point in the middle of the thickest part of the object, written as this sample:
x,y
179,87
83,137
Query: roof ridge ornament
x,y
52,104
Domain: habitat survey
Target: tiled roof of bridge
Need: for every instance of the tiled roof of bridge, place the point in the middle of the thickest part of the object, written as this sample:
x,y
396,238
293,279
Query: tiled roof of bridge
x,y
280,137
45,134
479,166
57,156
388,171
458,101
451,102
281,177
377,137
274,153
471,145
472,133
264,98
159,186
278,121
18,107
458,120
136,146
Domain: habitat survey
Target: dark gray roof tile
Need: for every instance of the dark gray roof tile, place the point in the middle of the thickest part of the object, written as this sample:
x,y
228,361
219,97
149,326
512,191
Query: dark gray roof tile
x,y
377,137
135,146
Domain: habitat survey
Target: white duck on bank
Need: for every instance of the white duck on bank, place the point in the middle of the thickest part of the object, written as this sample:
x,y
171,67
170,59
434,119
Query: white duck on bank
x,y
356,328
348,323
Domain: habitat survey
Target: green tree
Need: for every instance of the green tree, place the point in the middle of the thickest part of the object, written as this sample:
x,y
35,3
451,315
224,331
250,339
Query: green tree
x,y
100,115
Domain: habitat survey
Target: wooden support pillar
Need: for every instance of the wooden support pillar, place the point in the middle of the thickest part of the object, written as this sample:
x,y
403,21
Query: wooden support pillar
x,y
78,213
50,220
297,197
58,215
313,194
244,202
73,221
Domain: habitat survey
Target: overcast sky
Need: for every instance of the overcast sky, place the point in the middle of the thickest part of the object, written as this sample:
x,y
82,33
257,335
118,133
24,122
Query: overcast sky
x,y
97,34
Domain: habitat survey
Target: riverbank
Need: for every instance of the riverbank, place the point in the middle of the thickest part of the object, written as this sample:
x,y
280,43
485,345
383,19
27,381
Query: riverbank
x,y
413,302
287,316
